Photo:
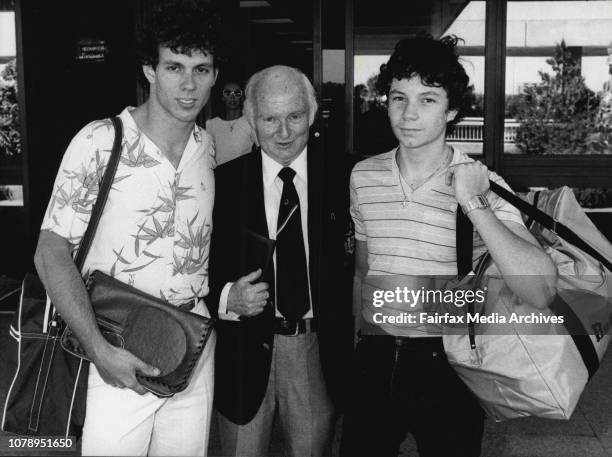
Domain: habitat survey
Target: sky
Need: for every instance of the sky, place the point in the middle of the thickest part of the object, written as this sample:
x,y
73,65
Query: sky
x,y
7,33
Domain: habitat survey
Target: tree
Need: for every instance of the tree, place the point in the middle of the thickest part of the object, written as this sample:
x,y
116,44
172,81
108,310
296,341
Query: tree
x,y
10,138
558,114
513,105
376,98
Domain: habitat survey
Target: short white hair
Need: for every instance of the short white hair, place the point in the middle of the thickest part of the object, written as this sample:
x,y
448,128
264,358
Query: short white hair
x,y
254,82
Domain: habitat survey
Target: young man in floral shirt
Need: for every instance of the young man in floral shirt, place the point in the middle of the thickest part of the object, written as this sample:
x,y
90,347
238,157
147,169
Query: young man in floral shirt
x,y
154,235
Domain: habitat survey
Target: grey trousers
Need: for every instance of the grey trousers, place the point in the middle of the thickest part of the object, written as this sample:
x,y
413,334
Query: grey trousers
x,y
296,392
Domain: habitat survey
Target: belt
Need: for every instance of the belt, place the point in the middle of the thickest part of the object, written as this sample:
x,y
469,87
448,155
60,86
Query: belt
x,y
286,327
410,344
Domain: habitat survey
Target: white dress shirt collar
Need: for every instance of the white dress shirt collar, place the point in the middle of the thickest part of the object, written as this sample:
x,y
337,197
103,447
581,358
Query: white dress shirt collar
x,y
271,167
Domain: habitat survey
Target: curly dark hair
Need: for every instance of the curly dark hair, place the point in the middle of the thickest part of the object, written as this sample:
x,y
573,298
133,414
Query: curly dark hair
x,y
184,26
436,62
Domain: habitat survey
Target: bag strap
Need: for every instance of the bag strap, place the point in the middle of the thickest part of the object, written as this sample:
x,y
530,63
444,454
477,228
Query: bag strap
x,y
578,332
465,248
103,191
536,198
464,243
550,223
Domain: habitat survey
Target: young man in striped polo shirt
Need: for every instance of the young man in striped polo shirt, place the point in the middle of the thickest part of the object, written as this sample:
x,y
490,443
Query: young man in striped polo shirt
x,y
404,205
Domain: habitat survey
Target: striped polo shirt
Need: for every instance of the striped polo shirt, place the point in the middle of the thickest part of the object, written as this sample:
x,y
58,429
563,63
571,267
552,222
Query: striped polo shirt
x,y
411,232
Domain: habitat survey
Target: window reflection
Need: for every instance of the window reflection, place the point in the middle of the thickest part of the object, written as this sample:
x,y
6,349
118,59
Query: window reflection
x,y
372,131
558,77
594,198
374,41
11,192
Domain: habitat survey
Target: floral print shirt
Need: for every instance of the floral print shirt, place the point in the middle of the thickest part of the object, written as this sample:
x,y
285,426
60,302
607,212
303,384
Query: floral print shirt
x,y
154,233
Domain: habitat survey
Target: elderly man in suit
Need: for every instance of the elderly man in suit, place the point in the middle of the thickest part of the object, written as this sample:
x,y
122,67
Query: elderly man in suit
x,y
285,329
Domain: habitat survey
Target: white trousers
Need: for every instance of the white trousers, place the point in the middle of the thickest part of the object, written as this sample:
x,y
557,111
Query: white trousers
x,y
122,422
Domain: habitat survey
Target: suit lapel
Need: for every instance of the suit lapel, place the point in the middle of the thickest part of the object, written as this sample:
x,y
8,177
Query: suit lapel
x,y
315,184
253,196
254,193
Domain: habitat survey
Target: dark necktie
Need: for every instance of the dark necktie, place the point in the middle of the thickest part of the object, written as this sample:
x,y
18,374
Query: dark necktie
x,y
292,293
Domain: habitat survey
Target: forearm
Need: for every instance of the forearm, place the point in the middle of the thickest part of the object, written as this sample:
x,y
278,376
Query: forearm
x,y
526,268
67,291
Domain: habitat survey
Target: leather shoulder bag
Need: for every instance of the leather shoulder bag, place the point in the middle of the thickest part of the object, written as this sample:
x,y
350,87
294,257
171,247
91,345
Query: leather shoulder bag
x,y
163,335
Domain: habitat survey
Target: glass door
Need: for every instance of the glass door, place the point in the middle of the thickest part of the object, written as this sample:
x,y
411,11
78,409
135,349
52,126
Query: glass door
x,y
13,233
378,26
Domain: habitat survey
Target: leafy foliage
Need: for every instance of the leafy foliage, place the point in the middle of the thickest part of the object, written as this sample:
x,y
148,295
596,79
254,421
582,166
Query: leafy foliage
x,y
558,114
10,138
594,197
513,105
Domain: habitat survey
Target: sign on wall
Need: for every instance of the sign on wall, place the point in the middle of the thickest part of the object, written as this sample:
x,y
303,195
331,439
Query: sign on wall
x,y
91,50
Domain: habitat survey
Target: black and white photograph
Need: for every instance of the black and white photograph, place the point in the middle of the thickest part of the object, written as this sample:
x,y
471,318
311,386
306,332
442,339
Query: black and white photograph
x,y
306,228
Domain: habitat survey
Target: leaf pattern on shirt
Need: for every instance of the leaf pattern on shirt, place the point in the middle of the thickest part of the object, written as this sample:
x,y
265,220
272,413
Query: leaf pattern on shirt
x,y
174,295
159,223
135,155
79,188
195,245
180,192
135,253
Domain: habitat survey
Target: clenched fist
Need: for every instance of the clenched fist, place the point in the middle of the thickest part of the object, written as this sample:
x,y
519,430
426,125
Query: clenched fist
x,y
246,298
468,179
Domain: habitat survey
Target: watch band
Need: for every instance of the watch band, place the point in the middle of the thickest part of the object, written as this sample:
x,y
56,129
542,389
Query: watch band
x,y
476,202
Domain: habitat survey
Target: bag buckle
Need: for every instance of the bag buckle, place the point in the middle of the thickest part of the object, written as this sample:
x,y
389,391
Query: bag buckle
x,y
554,227
475,357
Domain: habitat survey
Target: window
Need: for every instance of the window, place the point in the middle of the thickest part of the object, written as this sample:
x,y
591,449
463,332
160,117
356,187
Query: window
x,y
558,80
377,30
556,71
470,27
513,52
10,139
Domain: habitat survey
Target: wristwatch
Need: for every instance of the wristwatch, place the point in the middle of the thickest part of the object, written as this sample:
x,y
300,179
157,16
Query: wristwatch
x,y
476,202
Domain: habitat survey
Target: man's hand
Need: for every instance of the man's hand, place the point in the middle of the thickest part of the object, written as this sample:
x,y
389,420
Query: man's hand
x,y
468,179
247,299
118,368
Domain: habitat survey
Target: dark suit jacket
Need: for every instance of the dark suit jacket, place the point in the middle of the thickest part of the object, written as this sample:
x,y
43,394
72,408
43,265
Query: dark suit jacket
x,y
244,348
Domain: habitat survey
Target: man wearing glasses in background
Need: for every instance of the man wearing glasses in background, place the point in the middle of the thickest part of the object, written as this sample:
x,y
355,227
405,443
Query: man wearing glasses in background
x,y
232,134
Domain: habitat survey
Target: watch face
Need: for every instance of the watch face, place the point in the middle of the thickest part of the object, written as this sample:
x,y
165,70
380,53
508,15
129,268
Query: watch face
x,y
476,202
482,201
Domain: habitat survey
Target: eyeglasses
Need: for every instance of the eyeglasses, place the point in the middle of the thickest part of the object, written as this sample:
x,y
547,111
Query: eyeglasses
x,y
230,93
